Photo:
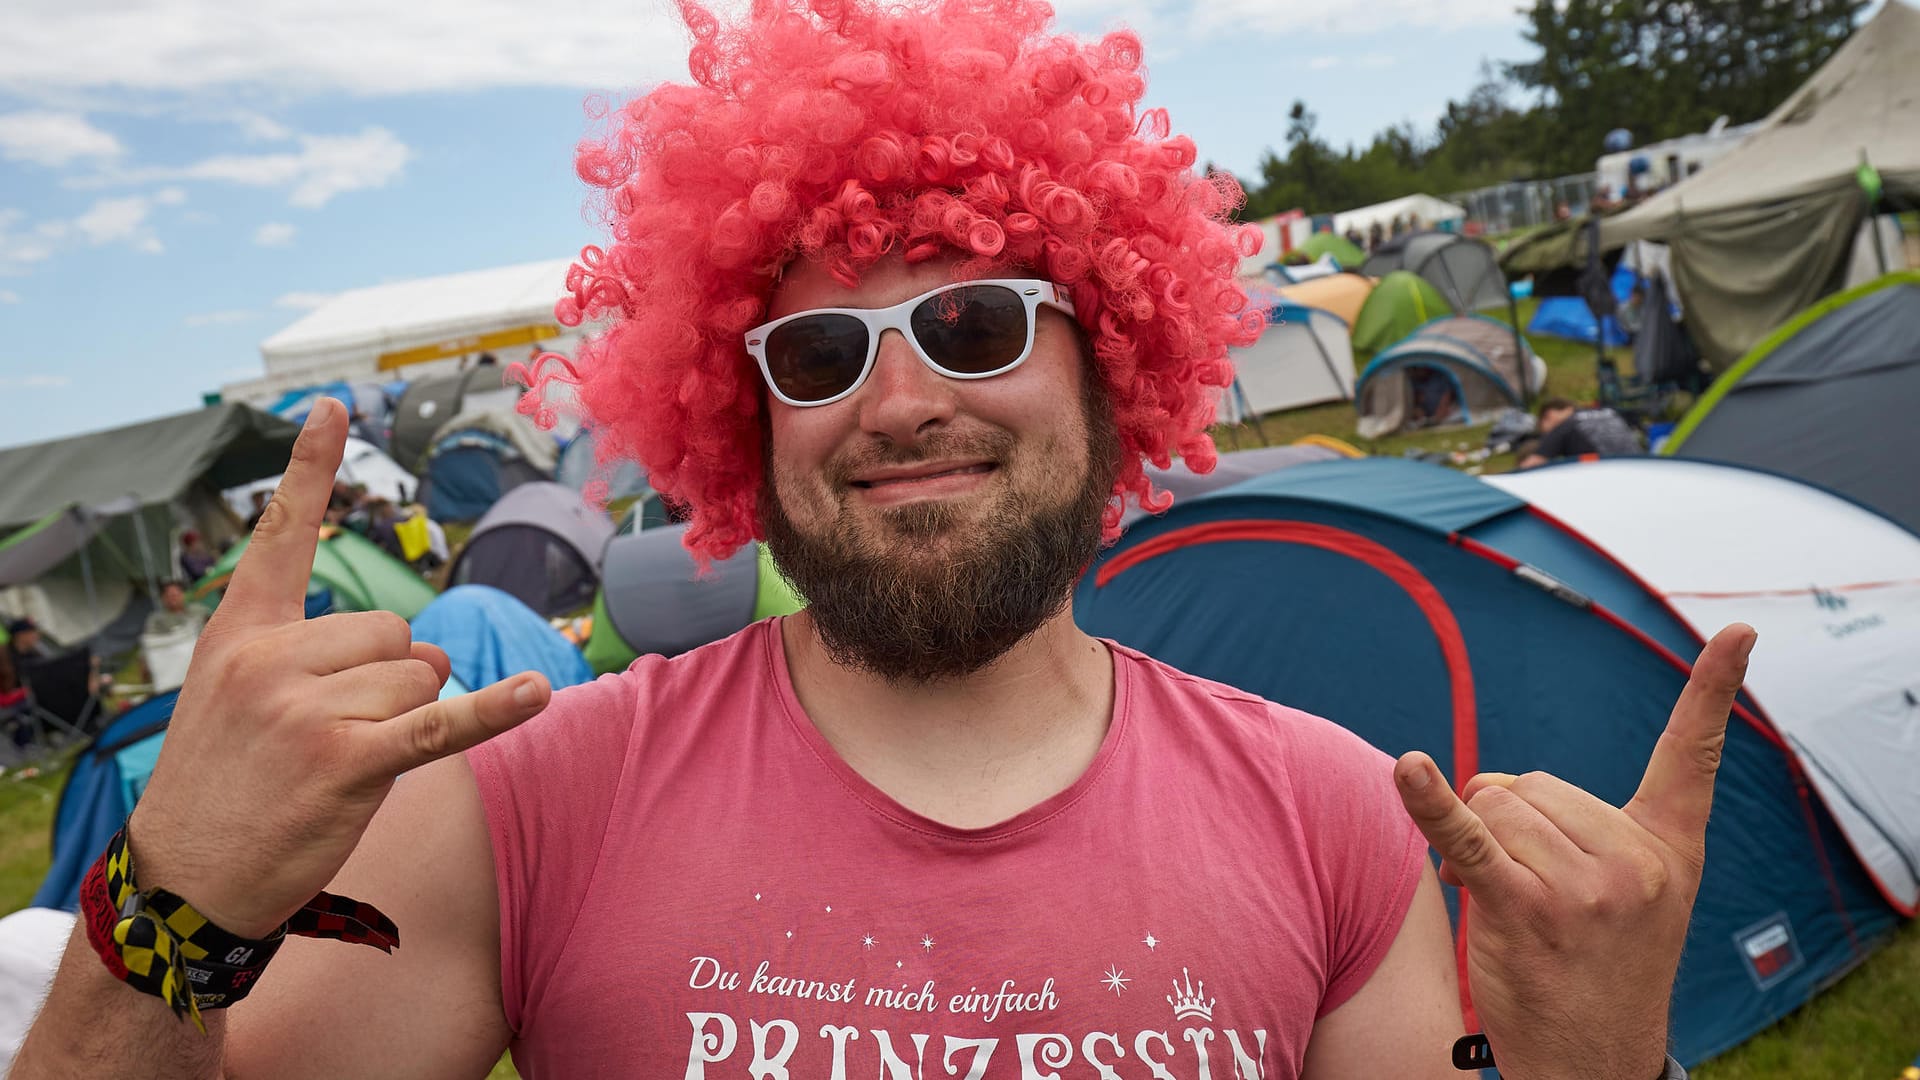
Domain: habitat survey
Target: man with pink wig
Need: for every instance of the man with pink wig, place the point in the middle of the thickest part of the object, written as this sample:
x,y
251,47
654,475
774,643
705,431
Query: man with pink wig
x,y
912,295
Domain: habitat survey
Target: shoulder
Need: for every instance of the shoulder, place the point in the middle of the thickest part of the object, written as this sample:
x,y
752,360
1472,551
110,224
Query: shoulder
x,y
594,727
1217,713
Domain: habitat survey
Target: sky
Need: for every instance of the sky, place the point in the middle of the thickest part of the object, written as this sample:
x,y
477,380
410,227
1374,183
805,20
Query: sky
x,y
179,180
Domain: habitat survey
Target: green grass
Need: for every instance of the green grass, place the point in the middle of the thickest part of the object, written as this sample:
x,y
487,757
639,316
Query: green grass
x,y
1865,1028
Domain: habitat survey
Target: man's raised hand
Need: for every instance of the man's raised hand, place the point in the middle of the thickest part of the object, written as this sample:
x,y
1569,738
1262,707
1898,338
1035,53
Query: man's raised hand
x,y
288,733
1579,909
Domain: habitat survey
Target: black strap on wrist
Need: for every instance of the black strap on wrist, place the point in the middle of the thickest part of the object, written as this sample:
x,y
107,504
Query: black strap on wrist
x,y
1472,1052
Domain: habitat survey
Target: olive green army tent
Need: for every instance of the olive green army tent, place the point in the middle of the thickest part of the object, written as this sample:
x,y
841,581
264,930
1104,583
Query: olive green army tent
x,y
100,510
1769,228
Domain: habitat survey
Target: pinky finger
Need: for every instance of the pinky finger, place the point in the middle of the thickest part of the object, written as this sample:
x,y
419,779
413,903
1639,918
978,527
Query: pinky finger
x,y
450,726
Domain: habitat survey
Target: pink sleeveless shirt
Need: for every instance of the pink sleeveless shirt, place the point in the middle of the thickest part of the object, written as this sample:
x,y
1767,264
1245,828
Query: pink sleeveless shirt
x,y
693,884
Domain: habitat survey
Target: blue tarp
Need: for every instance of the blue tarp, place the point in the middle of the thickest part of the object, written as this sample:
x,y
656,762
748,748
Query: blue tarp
x,y
489,635
1330,574
1569,317
294,405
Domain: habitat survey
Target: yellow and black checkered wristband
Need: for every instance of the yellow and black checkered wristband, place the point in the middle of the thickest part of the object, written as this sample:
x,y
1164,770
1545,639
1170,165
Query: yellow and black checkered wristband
x,y
154,940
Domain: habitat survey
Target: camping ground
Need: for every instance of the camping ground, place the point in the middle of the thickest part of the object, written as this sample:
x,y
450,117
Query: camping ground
x,y
1866,1028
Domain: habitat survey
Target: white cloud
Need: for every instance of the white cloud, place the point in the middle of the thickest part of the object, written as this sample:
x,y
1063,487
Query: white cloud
x,y
171,196
33,382
54,138
219,318
1298,17
18,251
1375,60
357,46
261,128
8,296
303,301
123,219
274,234
1323,63
324,166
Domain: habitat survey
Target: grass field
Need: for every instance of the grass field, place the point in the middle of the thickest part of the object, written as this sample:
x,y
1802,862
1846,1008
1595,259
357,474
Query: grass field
x,y
1865,1028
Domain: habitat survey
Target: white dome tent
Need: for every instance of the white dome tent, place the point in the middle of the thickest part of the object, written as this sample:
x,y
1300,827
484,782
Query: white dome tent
x,y
1832,587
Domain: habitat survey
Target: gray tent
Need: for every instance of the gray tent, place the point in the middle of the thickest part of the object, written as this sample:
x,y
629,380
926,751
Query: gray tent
x,y
578,466
427,404
1767,229
541,544
1829,399
1477,361
654,600
1465,270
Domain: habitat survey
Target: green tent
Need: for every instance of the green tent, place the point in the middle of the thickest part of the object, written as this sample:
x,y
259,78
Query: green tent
x,y
360,575
1332,243
1399,305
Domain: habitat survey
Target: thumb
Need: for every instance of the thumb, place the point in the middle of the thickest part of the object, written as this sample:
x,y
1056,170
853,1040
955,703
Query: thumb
x,y
1455,831
452,725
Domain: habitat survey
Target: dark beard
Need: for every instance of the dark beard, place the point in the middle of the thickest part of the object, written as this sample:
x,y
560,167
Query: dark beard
x,y
915,623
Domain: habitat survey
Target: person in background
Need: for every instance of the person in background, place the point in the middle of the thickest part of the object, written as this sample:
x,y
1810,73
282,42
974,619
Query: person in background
x,y
1567,431
24,643
175,611
195,559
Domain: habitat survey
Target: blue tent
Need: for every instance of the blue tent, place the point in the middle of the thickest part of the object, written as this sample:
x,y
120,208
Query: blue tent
x,y
106,781
488,635
1513,645
1569,317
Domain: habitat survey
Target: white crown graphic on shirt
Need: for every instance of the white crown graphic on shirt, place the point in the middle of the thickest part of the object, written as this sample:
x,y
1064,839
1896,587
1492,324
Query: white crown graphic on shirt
x,y
1191,1001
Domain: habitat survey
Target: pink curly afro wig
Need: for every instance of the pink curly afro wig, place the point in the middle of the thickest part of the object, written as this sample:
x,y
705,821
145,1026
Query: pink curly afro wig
x,y
845,130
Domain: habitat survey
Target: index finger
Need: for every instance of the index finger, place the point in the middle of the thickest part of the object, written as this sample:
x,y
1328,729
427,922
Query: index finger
x,y
1676,793
270,581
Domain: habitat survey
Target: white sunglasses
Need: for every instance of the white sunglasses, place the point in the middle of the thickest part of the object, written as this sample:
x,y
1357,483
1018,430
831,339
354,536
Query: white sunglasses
x,y
966,330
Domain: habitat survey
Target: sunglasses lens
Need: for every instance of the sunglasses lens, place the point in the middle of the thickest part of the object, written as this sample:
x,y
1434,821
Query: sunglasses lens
x,y
972,330
814,358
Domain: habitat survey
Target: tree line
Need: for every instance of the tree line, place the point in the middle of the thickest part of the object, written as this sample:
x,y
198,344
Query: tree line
x,y
1658,68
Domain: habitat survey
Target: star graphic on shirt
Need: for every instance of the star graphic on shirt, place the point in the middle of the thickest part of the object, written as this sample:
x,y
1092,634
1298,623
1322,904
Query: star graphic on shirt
x,y
1150,941
756,896
789,935
899,963
1116,980
866,942
829,909
926,942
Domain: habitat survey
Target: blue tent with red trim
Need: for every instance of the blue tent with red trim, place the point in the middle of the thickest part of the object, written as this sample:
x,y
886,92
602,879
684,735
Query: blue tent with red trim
x,y
1424,609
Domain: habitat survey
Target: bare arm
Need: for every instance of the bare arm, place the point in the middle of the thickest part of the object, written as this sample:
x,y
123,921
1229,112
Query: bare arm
x,y
95,1025
326,1009
283,748
1404,1021
431,1009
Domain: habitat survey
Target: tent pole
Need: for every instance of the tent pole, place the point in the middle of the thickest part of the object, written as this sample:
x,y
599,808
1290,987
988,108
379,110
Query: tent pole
x,y
1873,223
146,554
86,577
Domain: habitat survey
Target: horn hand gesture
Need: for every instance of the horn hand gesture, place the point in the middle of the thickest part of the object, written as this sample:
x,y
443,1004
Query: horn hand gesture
x,y
1579,909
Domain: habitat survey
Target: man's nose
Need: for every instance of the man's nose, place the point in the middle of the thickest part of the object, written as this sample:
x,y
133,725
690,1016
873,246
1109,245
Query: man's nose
x,y
904,398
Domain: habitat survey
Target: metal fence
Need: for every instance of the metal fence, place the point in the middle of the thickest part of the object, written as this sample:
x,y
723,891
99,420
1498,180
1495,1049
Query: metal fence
x,y
1524,203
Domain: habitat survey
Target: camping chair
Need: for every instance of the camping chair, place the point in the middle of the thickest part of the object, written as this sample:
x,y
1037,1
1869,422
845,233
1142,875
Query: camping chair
x,y
31,732
61,692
